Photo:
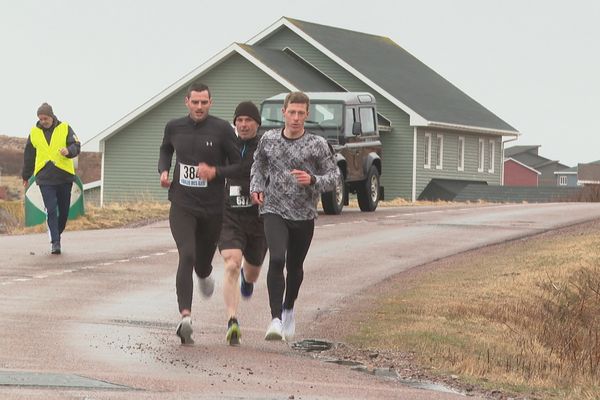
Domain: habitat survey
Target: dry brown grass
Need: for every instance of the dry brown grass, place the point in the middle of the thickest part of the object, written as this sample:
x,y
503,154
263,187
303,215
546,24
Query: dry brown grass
x,y
525,317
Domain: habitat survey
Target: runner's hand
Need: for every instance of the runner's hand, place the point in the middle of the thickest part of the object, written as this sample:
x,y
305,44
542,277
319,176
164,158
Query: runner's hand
x,y
206,172
164,179
302,177
257,198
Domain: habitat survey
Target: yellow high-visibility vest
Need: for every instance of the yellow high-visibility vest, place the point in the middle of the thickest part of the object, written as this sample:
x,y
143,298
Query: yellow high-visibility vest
x,y
51,152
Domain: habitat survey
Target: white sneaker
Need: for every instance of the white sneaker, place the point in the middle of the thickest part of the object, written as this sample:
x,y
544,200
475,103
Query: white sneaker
x,y
288,324
185,330
207,286
274,331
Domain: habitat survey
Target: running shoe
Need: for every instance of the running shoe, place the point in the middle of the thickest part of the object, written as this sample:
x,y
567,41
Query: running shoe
x,y
288,324
234,335
184,330
274,330
55,249
207,286
246,288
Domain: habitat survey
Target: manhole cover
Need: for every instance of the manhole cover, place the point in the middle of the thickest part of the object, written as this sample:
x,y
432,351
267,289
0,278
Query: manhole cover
x,y
312,345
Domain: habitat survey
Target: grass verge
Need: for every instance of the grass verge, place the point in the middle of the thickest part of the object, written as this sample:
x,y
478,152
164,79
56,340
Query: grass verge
x,y
522,316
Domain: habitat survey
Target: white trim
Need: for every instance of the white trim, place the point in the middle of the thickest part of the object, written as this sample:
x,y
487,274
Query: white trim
x,y
481,155
439,159
492,155
461,153
414,171
102,174
565,173
523,165
473,129
212,62
587,182
427,154
92,185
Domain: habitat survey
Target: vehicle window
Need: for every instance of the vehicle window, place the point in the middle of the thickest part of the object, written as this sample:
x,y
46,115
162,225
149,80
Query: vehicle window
x,y
271,115
367,119
350,119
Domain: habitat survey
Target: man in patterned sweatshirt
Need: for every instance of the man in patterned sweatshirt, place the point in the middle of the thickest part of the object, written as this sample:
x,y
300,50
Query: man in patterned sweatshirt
x,y
291,168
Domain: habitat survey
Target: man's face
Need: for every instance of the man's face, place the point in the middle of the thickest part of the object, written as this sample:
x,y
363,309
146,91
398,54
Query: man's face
x,y
198,103
45,120
295,114
246,127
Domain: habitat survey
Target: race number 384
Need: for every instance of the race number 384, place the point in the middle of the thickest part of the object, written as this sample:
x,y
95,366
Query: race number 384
x,y
188,176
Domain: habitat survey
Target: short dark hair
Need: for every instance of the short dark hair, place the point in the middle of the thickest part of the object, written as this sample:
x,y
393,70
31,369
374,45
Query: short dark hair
x,y
197,87
296,97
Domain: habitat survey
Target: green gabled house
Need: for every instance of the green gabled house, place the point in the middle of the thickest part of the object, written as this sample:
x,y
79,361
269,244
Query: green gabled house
x,y
431,130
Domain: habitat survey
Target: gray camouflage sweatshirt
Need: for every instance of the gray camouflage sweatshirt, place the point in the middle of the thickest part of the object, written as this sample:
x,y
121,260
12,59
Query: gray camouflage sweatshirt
x,y
275,157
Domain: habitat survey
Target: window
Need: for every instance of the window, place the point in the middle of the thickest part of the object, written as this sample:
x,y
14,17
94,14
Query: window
x,y
367,119
481,158
427,163
562,180
350,119
439,161
461,153
491,156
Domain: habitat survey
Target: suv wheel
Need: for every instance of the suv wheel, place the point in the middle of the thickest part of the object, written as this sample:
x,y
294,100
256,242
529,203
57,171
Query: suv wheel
x,y
368,191
333,201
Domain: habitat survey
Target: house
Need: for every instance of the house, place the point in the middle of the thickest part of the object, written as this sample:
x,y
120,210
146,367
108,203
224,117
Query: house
x,y
431,129
529,156
518,174
581,175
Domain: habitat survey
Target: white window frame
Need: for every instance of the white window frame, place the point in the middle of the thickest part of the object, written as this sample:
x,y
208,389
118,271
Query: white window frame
x,y
427,163
439,159
481,157
492,155
461,153
562,180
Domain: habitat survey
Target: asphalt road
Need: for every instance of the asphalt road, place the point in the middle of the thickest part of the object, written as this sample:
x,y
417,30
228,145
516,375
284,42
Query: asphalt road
x,y
98,321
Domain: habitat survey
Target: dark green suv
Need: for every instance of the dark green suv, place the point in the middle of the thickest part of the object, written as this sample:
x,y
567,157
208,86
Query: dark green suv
x,y
348,120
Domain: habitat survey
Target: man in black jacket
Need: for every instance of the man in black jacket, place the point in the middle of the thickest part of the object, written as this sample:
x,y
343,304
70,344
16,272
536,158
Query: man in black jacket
x,y
196,211
49,152
242,235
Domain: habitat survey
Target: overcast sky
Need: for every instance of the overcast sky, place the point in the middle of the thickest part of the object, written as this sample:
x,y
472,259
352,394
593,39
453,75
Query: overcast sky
x,y
536,64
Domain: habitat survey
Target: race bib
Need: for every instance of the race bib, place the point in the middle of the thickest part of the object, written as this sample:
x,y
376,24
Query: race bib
x,y
188,177
236,199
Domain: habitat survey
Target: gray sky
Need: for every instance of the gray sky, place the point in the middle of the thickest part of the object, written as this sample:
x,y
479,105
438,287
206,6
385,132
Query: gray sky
x,y
536,64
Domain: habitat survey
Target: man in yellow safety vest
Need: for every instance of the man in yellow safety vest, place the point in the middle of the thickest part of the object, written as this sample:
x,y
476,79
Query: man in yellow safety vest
x,y
49,152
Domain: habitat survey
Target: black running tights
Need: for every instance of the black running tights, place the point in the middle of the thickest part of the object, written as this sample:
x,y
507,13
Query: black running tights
x,y
288,243
196,238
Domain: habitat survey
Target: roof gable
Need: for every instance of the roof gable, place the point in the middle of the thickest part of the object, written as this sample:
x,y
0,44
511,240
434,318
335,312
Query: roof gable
x,y
428,98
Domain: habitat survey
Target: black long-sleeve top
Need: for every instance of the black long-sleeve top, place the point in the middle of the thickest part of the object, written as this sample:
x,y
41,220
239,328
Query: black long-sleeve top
x,y
211,141
50,174
237,188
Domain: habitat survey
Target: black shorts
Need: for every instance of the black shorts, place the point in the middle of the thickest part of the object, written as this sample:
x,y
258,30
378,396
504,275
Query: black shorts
x,y
243,229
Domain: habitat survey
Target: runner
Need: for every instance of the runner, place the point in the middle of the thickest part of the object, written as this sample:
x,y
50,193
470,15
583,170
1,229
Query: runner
x,y
242,236
291,168
196,211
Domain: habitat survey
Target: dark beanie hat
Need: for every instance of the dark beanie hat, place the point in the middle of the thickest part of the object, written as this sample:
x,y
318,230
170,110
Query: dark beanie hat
x,y
248,109
46,109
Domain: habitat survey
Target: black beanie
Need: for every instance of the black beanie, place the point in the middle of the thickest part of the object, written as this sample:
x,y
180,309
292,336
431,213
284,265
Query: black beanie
x,y
46,109
248,109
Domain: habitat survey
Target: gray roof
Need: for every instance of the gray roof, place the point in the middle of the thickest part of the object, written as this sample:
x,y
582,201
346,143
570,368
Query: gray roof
x,y
403,76
299,73
511,151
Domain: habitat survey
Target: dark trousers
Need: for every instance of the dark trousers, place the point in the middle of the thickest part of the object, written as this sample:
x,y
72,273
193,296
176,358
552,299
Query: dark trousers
x,y
57,200
288,243
196,238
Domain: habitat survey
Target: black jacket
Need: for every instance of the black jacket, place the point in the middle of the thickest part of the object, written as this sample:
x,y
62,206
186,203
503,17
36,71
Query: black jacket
x,y
50,174
242,179
211,141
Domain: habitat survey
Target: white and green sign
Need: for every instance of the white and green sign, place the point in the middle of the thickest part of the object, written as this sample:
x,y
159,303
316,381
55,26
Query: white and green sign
x,y
35,213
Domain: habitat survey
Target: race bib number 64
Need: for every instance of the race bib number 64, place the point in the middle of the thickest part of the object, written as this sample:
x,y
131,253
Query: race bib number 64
x,y
188,177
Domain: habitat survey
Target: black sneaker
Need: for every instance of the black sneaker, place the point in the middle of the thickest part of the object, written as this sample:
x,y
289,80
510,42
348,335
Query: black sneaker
x,y
246,288
234,335
55,248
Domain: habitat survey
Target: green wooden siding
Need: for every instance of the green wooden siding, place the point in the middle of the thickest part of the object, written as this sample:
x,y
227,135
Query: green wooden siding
x,y
397,144
450,158
131,154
